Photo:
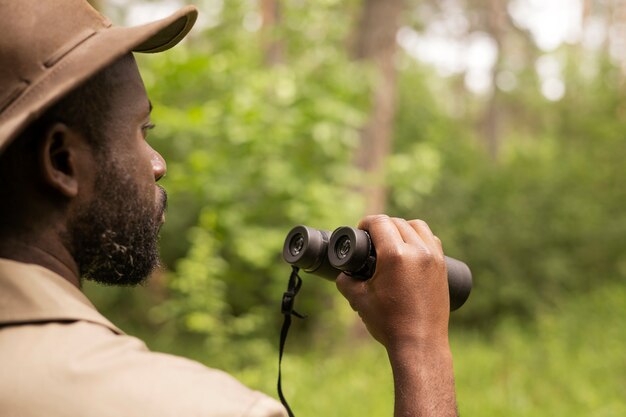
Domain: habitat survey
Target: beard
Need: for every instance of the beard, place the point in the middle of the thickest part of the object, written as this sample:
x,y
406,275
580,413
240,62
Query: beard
x,y
115,237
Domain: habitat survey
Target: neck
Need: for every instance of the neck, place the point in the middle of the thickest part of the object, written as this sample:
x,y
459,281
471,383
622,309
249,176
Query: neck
x,y
43,251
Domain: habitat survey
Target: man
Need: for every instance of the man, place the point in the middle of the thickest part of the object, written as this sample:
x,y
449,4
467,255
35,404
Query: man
x,y
80,201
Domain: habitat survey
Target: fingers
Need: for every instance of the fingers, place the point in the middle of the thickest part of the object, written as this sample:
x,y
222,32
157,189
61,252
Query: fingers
x,y
407,296
386,231
383,231
432,242
439,244
407,232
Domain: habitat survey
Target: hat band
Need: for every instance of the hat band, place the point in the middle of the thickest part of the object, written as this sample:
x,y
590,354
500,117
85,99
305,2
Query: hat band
x,y
68,47
78,40
13,95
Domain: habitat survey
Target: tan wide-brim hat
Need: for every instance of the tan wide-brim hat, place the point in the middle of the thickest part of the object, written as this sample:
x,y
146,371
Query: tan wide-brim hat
x,y
49,47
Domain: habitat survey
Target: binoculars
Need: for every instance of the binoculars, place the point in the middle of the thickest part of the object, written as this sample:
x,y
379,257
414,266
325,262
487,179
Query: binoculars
x,y
351,251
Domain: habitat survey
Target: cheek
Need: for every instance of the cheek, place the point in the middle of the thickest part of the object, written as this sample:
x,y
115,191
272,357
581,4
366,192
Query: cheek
x,y
138,166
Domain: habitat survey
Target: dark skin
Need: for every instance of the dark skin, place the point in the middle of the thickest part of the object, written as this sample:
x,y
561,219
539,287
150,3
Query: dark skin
x,y
61,179
405,305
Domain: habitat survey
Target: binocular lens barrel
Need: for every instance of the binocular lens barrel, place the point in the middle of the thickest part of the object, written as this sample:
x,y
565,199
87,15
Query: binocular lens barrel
x,y
351,251
306,248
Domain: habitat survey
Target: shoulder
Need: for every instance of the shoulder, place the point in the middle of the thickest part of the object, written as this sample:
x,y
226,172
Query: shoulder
x,y
85,369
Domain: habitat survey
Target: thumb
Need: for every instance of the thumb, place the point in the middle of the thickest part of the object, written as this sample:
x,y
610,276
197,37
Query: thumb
x,y
351,288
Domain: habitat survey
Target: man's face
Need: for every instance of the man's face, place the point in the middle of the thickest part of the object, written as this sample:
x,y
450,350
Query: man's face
x,y
114,232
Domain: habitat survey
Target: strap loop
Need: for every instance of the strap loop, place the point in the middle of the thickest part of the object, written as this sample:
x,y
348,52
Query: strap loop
x,y
289,298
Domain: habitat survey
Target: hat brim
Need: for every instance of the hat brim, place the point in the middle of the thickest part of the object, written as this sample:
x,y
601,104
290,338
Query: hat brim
x,y
93,54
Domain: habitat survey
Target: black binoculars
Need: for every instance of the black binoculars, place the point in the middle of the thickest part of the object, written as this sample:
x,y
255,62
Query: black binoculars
x,y
351,251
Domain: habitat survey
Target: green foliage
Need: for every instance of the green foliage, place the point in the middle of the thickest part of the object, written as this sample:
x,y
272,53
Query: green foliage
x,y
253,150
570,362
545,220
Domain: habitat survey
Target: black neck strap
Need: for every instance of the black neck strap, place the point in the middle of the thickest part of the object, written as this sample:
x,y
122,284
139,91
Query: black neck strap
x,y
289,297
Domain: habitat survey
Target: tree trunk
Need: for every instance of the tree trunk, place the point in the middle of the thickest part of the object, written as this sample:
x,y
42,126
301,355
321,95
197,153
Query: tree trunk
x,y
375,41
496,24
273,48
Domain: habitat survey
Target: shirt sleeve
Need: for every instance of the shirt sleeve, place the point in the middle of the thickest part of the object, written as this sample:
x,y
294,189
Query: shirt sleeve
x,y
267,407
82,368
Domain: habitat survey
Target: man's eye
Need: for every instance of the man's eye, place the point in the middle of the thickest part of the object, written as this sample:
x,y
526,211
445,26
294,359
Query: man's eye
x,y
146,127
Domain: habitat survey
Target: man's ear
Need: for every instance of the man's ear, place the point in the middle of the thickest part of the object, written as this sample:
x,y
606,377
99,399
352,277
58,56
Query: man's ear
x,y
58,157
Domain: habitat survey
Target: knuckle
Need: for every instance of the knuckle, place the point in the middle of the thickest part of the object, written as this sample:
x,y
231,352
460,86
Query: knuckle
x,y
418,222
430,259
436,260
422,256
372,219
379,218
427,258
424,226
396,253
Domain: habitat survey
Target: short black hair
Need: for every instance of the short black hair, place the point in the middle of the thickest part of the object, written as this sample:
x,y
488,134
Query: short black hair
x,y
86,108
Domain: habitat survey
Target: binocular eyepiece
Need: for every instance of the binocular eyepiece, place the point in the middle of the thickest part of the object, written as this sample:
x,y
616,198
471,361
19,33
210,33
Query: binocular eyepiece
x,y
351,251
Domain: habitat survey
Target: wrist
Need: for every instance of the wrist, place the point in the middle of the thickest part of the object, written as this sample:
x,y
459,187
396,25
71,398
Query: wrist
x,y
419,348
423,375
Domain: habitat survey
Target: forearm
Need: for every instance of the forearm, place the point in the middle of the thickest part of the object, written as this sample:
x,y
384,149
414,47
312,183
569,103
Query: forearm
x,y
406,307
423,380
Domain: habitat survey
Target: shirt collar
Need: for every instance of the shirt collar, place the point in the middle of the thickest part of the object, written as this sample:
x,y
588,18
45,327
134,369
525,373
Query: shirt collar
x,y
33,294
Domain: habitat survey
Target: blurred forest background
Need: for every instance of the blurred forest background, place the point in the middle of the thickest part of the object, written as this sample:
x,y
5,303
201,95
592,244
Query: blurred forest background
x,y
501,123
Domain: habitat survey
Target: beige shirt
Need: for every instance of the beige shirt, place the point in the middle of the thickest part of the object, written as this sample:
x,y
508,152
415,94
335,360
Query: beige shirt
x,y
60,357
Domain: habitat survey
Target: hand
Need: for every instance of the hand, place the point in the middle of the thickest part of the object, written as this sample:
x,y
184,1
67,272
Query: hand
x,y
406,301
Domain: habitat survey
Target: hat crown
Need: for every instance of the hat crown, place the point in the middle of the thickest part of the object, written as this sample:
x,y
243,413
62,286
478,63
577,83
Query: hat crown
x,y
49,47
35,36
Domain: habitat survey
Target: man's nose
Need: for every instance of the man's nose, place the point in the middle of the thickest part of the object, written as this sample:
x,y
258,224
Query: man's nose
x,y
159,167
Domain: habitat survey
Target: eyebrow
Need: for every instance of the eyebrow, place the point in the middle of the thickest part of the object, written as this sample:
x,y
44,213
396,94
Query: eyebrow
x,y
149,106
